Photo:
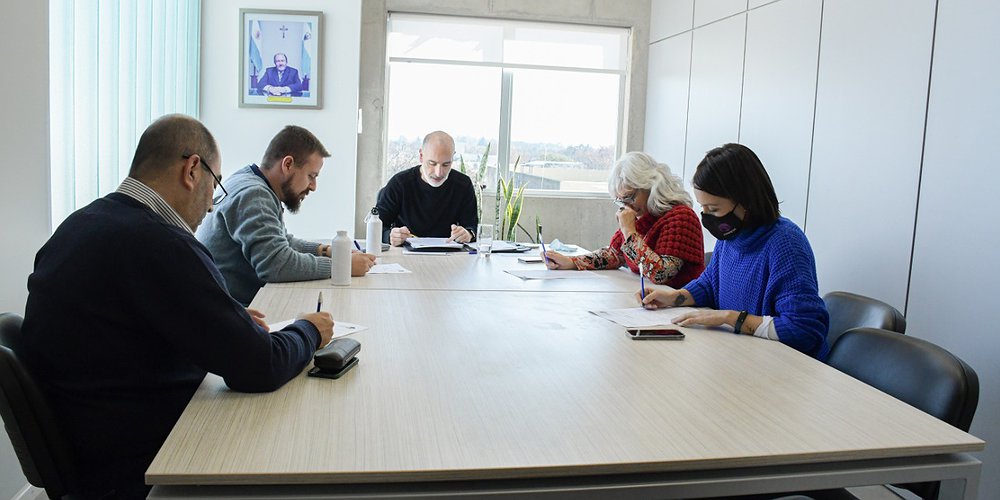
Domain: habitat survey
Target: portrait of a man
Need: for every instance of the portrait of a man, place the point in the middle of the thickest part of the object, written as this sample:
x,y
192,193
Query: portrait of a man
x,y
280,79
289,43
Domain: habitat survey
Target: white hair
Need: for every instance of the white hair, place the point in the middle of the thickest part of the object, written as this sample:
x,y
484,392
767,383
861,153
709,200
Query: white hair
x,y
637,170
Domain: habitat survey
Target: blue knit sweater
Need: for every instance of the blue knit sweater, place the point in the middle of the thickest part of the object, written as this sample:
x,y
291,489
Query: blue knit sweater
x,y
769,271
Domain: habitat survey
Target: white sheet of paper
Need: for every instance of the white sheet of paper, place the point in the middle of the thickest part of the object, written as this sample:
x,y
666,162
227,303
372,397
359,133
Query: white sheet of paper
x,y
552,274
418,243
393,268
500,246
340,328
638,317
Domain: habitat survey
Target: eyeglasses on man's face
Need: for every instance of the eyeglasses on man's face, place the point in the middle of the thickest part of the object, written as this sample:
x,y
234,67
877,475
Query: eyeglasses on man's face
x,y
218,181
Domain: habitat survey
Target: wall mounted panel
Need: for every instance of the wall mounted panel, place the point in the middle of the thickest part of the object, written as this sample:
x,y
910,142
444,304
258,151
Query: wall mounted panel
x,y
708,11
871,97
779,89
716,82
667,100
670,17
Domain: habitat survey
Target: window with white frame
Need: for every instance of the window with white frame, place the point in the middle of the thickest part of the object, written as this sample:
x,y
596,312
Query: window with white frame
x,y
115,67
547,98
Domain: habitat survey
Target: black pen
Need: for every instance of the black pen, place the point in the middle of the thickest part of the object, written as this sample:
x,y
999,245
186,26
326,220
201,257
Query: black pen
x,y
319,302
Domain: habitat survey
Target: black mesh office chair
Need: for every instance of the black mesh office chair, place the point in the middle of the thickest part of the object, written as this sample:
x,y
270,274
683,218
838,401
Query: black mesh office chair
x,y
30,423
850,310
914,371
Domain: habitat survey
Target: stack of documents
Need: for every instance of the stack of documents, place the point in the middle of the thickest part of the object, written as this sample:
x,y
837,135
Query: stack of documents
x,y
433,244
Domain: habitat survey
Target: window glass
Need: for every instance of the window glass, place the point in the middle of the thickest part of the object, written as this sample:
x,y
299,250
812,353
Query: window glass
x,y
461,100
563,128
546,95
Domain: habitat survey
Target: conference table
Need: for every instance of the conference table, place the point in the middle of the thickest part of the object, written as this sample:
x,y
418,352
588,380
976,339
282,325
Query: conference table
x,y
471,384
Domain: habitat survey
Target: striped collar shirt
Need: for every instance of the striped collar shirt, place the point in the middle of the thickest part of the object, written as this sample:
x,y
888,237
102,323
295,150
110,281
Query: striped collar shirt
x,y
147,196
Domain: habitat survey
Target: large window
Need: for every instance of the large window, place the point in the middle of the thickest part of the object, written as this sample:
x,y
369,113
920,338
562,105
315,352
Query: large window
x,y
116,66
546,97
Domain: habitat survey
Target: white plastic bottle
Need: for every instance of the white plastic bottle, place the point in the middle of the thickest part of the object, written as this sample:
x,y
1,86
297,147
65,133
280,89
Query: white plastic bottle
x,y
340,252
373,233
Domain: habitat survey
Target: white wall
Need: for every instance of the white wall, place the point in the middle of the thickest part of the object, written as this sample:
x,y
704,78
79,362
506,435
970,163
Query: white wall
x,y
955,277
243,133
24,194
870,102
833,98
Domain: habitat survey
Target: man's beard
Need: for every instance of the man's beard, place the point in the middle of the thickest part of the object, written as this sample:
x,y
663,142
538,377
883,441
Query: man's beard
x,y
292,200
435,182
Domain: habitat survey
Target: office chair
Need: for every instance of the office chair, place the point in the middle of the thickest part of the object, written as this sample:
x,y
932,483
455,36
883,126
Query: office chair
x,y
914,371
850,310
708,258
41,448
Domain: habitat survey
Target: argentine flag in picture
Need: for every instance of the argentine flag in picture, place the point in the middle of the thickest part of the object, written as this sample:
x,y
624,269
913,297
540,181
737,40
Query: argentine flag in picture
x,y
307,51
256,64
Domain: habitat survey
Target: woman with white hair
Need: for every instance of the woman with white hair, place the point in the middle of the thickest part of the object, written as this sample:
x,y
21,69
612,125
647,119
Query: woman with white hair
x,y
658,230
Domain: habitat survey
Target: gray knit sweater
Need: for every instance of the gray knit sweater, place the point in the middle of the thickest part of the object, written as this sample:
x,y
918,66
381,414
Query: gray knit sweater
x,y
247,237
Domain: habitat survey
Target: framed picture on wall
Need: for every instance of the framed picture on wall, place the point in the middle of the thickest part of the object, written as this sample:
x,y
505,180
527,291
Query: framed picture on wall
x,y
280,59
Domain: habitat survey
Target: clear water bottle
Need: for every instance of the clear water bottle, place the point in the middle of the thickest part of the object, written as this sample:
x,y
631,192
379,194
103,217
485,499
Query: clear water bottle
x,y
340,253
373,233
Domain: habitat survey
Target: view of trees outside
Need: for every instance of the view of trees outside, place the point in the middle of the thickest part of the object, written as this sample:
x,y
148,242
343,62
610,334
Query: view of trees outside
x,y
579,168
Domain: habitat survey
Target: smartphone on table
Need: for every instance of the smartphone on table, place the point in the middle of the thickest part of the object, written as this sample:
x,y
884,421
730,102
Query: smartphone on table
x,y
655,334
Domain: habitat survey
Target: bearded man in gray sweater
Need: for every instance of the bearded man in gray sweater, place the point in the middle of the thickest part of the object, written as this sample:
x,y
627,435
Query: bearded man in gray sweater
x,y
246,232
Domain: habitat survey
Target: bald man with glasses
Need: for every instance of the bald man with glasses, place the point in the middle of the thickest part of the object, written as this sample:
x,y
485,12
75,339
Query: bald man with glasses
x,y
127,312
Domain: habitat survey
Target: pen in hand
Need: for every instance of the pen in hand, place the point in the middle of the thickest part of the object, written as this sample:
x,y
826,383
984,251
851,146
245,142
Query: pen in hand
x,y
542,241
642,281
356,245
319,302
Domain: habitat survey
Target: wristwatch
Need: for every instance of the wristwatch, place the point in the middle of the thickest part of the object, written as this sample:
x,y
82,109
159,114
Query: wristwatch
x,y
738,327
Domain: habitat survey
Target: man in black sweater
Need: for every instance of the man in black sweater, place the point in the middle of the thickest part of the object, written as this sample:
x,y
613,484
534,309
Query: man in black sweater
x,y
127,312
429,199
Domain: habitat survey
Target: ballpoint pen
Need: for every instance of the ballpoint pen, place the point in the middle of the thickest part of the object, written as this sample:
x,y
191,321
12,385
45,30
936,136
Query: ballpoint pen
x,y
542,241
356,245
642,281
319,302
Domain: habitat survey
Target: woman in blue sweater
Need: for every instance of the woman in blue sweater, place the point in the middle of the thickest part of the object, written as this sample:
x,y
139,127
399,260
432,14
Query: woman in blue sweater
x,y
762,277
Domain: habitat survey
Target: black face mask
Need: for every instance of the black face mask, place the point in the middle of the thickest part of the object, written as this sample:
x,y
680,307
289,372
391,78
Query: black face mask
x,y
723,228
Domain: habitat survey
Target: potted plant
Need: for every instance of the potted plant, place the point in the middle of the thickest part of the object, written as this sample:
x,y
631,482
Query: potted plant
x,y
509,196
478,180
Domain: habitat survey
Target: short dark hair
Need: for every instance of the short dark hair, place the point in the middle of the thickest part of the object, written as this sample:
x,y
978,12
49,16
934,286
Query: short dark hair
x,y
293,141
169,138
733,171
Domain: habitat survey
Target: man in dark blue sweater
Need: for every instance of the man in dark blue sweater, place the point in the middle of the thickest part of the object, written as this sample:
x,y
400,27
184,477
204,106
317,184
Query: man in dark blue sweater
x,y
430,199
127,312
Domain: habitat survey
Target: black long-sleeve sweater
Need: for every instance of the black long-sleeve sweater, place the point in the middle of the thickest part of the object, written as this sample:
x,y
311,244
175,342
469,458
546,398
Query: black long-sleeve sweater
x,y
125,315
406,200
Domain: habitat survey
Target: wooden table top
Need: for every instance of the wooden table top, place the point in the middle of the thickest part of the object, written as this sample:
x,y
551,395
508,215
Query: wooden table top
x,y
461,271
499,384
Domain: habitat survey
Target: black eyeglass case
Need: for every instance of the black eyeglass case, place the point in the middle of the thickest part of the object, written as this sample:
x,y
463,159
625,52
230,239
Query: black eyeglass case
x,y
336,359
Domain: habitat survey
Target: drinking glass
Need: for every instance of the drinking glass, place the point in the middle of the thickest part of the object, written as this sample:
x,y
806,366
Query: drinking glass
x,y
484,236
